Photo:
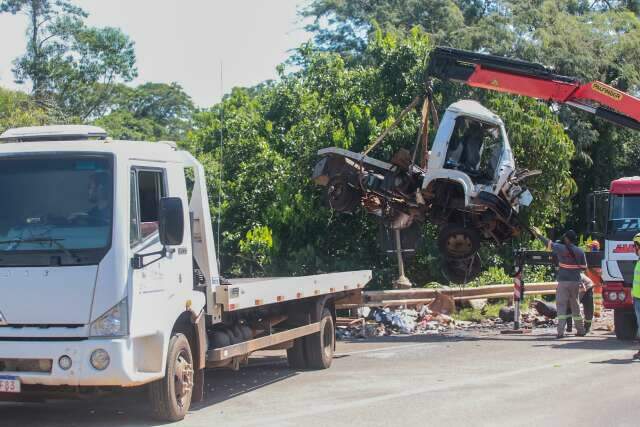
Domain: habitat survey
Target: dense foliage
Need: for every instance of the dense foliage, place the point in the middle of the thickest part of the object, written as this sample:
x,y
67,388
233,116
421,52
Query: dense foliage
x,y
367,61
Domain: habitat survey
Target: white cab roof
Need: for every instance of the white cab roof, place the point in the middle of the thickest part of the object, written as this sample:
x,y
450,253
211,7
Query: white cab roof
x,y
474,109
53,133
81,138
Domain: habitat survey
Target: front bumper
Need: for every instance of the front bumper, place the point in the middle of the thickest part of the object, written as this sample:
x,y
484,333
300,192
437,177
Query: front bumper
x,y
120,372
616,288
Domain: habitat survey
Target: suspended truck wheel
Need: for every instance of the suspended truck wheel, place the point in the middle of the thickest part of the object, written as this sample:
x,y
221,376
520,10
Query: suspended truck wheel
x,y
461,270
341,195
457,241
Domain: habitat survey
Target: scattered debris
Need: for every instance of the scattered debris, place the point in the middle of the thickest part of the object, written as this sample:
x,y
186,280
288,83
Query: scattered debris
x,y
507,314
443,304
425,321
544,308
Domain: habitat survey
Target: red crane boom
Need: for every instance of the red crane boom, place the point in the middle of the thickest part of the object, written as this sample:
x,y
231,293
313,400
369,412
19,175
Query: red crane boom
x,y
536,81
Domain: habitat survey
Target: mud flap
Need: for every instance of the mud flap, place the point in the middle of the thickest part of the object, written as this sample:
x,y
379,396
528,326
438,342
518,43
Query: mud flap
x,y
197,394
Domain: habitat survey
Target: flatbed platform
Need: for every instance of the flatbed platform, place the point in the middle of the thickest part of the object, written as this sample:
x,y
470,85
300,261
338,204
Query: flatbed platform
x,y
244,293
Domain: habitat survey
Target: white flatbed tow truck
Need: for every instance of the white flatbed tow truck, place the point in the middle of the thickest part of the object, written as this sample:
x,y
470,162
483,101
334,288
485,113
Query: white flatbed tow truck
x,y
109,277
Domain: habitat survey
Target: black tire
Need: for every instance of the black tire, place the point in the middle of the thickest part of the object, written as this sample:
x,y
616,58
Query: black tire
x,y
625,324
296,356
319,347
462,271
341,195
170,397
457,241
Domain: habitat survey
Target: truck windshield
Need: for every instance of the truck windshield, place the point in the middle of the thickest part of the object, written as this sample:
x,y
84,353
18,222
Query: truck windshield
x,y
475,148
60,205
624,213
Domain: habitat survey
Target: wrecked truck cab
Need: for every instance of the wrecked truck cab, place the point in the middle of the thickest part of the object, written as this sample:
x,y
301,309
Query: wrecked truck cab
x,y
471,148
470,187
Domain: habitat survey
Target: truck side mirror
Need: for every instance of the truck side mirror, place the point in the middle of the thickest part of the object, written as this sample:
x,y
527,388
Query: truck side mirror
x,y
171,221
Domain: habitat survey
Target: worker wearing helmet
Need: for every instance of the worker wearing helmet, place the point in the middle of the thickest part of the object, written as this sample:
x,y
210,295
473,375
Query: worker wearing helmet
x,y
572,262
635,291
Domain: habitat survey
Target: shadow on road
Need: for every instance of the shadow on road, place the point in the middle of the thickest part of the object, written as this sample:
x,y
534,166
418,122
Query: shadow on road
x,y
130,408
405,339
596,341
615,362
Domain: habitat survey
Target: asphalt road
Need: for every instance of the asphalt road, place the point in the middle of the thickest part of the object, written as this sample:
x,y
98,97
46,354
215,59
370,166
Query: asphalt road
x,y
469,379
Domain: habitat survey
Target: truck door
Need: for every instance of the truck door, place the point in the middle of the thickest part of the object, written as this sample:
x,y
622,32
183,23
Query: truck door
x,y
151,284
159,289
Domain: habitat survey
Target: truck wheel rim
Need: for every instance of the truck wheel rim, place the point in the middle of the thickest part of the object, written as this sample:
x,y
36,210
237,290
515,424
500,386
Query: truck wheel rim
x,y
183,378
459,245
327,338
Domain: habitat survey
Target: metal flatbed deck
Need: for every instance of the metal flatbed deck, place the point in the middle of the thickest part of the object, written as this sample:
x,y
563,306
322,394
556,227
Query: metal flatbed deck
x,y
242,294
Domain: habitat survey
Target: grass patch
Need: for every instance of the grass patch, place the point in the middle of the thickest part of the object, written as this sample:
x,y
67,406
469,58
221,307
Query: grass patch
x,y
490,311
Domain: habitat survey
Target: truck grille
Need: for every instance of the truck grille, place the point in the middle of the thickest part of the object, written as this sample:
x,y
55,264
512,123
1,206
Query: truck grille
x,y
26,365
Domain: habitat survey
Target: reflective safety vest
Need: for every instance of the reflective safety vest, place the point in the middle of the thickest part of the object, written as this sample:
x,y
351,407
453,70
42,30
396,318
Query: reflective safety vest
x,y
636,281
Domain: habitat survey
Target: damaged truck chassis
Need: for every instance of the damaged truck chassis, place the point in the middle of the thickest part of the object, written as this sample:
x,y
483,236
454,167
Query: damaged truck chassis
x,y
467,184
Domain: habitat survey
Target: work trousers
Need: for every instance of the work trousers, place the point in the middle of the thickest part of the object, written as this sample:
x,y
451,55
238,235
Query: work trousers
x,y
587,307
636,308
567,298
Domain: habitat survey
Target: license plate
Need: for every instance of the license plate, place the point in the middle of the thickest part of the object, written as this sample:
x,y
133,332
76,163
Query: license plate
x,y
9,384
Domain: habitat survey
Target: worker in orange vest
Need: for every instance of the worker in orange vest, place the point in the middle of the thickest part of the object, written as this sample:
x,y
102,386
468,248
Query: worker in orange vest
x,y
595,274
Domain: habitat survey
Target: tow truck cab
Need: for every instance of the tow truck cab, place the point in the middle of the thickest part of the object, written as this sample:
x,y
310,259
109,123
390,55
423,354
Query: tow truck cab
x,y
109,276
78,210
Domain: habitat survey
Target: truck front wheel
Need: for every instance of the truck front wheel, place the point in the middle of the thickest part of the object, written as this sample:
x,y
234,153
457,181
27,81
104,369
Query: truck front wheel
x,y
625,324
171,396
319,347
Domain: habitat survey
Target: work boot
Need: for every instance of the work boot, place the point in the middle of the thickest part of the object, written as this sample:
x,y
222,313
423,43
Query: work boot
x,y
558,336
636,356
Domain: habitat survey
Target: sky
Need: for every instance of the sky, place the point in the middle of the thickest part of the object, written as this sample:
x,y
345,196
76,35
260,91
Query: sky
x,y
191,42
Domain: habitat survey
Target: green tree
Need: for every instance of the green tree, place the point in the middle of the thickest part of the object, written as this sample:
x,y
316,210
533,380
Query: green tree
x,y
583,38
271,136
150,111
70,66
18,109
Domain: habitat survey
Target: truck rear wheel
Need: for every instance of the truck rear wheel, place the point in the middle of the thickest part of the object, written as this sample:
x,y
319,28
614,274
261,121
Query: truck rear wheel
x,y
170,397
319,347
296,356
625,324
458,241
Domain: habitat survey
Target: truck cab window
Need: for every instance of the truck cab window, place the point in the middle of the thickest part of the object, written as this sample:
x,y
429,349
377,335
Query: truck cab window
x,y
134,221
475,148
148,188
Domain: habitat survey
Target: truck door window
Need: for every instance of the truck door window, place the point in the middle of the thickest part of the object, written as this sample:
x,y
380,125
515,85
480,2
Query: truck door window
x,y
149,189
474,148
134,234
492,147
465,145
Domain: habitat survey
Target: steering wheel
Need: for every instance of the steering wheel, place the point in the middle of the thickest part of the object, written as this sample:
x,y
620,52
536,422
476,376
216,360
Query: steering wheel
x,y
79,218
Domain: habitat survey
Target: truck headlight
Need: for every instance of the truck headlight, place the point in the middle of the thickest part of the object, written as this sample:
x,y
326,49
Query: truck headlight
x,y
613,296
622,296
113,323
